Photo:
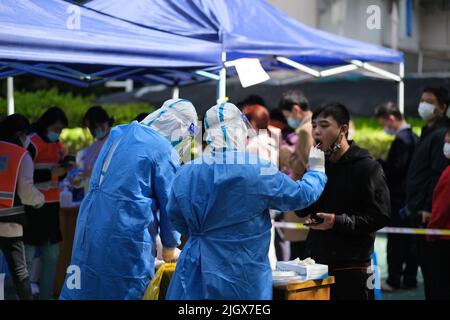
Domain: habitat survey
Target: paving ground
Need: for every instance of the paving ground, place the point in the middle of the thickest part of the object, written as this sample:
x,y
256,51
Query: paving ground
x,y
418,294
380,249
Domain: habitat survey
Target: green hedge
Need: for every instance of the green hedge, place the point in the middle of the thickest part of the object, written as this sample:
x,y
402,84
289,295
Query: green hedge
x,y
33,104
369,134
76,139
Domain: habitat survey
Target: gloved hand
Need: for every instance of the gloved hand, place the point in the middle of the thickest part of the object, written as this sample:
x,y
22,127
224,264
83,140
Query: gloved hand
x,y
316,160
171,254
158,263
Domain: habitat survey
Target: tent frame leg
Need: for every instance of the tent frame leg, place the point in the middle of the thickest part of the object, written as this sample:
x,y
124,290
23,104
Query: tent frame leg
x,y
10,94
175,92
222,84
401,89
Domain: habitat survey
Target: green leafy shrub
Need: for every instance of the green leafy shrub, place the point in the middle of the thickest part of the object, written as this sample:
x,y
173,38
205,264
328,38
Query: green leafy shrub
x,y
33,104
76,139
369,134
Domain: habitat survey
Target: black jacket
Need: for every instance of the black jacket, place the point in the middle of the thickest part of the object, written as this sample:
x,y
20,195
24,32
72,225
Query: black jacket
x,y
357,193
426,166
396,168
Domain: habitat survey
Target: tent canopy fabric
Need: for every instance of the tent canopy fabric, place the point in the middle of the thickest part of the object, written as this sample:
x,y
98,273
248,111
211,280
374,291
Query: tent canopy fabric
x,y
246,28
43,31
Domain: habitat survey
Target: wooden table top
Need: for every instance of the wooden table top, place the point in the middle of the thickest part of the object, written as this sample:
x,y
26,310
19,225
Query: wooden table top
x,y
298,285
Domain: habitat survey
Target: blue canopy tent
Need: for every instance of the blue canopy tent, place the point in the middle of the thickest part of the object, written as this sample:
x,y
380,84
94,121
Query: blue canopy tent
x,y
66,42
254,28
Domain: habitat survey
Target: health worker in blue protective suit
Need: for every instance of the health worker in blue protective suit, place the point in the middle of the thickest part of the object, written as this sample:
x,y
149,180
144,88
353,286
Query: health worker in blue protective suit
x,y
125,209
221,201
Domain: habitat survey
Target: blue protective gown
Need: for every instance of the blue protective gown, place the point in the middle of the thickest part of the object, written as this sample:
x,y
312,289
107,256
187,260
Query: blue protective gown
x,y
114,244
223,209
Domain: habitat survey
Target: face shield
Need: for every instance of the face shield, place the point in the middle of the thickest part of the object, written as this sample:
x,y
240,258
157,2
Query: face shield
x,y
176,120
227,128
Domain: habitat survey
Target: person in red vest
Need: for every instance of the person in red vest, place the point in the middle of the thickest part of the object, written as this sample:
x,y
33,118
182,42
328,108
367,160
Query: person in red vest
x,y
42,229
16,189
440,219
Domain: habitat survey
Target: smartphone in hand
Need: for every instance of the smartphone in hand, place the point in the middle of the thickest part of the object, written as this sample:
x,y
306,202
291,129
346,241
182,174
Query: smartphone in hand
x,y
315,220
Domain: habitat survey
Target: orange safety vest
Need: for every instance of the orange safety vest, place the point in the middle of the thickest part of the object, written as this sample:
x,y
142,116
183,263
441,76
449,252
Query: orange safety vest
x,y
11,156
48,155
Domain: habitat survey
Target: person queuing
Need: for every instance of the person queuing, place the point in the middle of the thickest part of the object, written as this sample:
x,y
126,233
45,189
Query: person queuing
x,y
354,205
401,258
99,123
125,209
16,189
426,167
221,202
440,219
296,109
262,143
42,228
266,147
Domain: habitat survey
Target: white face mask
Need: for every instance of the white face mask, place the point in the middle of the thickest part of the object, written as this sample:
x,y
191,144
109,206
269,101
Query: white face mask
x,y
426,111
448,112
447,150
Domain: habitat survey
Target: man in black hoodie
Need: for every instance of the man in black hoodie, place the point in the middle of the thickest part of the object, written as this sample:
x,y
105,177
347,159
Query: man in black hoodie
x,y
354,205
426,167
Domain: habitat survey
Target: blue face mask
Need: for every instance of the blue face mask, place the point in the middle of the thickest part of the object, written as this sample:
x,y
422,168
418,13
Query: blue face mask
x,y
99,133
293,123
52,136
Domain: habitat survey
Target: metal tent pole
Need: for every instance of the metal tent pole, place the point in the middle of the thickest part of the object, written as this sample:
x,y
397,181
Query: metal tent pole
x,y
222,84
401,88
10,94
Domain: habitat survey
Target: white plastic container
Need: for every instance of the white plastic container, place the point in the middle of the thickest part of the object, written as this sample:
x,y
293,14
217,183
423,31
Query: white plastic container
x,y
65,197
310,272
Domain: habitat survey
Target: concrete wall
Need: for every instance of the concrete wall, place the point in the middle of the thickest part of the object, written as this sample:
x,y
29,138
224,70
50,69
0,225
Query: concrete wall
x,y
304,11
430,32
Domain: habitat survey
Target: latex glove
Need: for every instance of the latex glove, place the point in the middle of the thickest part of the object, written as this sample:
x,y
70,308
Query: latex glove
x,y
171,254
316,160
158,263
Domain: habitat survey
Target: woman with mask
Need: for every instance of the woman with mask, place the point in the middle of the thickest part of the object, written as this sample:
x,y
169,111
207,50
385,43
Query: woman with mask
x,y
440,219
16,189
99,124
42,227
354,205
